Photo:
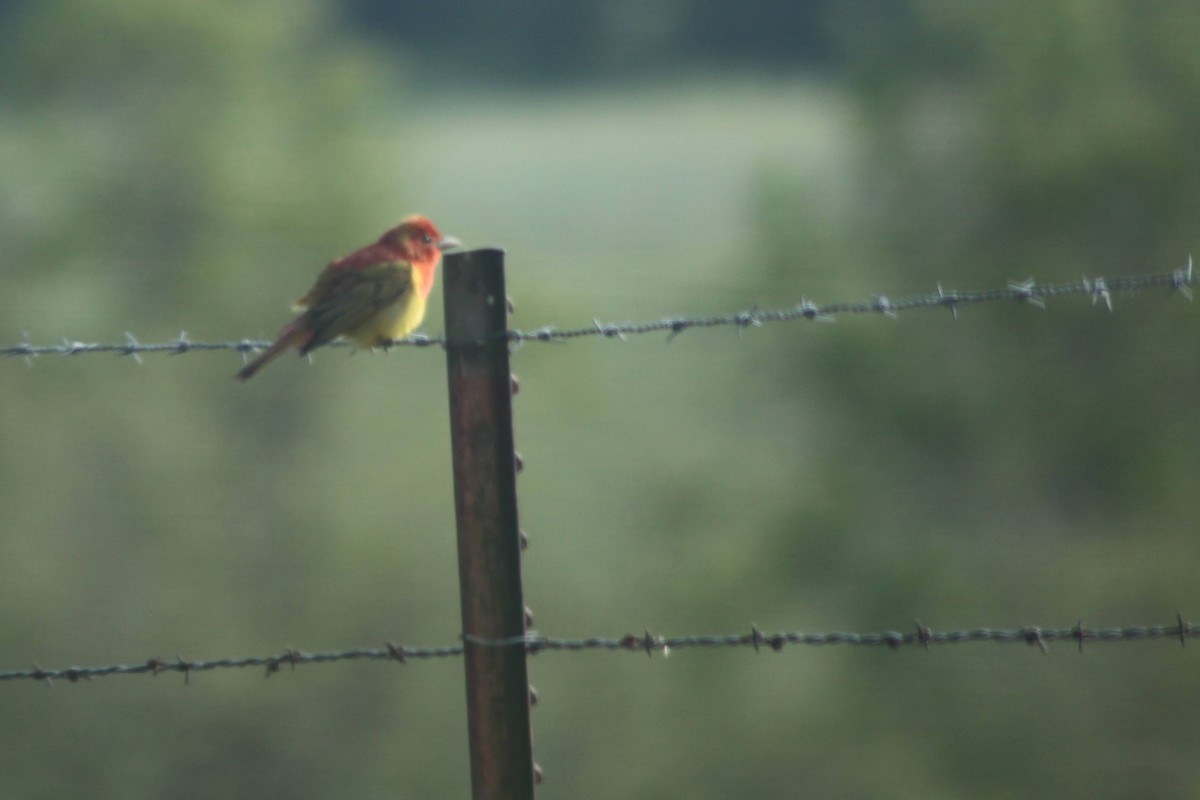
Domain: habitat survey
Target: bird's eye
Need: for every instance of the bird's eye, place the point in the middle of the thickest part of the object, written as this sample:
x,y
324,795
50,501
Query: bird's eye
x,y
426,238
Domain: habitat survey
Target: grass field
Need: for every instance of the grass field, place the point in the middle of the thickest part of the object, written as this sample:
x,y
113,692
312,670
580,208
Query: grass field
x,y
596,191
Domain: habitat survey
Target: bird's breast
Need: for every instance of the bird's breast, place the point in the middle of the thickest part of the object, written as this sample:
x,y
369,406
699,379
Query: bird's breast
x,y
393,322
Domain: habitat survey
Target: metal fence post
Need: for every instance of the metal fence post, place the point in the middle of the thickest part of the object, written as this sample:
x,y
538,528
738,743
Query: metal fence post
x,y
485,500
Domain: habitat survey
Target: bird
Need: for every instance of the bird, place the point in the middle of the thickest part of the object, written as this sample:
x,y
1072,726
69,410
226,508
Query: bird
x,y
372,296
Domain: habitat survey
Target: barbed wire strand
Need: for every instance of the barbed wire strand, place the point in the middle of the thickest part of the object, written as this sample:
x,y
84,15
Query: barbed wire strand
x,y
1101,290
648,643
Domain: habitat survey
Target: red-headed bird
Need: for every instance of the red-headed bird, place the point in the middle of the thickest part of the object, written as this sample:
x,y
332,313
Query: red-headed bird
x,y
372,296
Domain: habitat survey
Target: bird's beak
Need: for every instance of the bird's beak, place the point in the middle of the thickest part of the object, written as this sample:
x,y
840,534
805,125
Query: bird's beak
x,y
448,242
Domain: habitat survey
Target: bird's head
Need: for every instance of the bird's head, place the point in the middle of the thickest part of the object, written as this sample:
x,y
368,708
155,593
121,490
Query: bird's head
x,y
418,240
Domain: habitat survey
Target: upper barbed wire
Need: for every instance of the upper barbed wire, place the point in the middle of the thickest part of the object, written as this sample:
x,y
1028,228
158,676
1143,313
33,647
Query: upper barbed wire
x,y
1101,290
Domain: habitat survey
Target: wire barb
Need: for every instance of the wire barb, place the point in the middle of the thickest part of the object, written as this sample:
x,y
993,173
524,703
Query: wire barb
x,y
396,651
883,306
1033,638
923,635
1099,291
1024,291
1181,279
131,348
950,301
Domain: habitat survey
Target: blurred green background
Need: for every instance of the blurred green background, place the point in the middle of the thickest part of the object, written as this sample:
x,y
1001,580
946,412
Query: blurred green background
x,y
176,166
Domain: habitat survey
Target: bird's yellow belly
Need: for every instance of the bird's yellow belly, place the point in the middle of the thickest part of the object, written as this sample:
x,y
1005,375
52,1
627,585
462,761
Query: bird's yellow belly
x,y
394,322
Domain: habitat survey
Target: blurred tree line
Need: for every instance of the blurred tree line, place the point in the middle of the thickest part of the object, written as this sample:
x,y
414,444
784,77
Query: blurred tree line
x,y
550,41
544,41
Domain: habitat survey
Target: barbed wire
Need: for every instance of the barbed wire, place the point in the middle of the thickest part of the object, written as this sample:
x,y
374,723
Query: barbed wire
x,y
648,643
1101,290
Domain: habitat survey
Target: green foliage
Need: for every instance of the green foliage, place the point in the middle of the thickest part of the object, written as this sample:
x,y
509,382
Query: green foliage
x,y
1016,463
191,166
191,125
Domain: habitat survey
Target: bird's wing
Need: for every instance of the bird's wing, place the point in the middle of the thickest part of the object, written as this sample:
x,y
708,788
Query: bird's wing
x,y
346,300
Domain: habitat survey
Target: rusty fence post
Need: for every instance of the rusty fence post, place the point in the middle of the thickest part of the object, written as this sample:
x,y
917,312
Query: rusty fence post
x,y
485,500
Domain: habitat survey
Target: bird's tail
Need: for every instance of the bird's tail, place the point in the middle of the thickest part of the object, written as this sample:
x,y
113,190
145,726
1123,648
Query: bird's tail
x,y
292,336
